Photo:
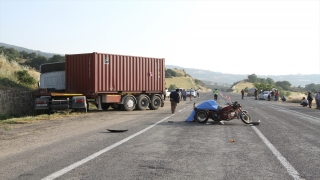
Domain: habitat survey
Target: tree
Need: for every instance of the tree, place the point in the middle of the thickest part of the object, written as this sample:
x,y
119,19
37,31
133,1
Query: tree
x,y
24,54
36,62
56,58
262,86
12,54
284,84
270,81
253,78
262,80
312,87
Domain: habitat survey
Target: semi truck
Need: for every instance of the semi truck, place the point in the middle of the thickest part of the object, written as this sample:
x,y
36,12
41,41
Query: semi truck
x,y
109,80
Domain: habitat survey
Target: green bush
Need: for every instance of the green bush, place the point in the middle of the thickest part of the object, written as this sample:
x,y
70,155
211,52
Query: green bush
x,y
172,87
24,77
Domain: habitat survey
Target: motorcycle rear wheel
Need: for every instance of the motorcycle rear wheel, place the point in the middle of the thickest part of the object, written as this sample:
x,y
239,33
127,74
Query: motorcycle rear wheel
x,y
246,118
201,116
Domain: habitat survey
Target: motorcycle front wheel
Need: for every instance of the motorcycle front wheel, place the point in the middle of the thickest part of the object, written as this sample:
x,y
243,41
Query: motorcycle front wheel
x,y
201,116
245,117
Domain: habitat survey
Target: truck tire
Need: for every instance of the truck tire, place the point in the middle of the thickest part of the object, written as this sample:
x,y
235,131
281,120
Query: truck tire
x,y
143,103
105,106
129,104
155,102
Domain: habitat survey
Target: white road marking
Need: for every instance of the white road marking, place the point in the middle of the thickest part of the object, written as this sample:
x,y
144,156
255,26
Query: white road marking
x,y
85,160
292,172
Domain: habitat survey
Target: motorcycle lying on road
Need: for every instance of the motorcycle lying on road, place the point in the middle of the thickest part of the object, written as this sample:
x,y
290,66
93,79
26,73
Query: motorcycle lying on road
x,y
233,110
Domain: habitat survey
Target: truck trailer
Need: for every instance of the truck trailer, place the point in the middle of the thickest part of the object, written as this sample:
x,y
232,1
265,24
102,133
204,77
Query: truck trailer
x,y
109,80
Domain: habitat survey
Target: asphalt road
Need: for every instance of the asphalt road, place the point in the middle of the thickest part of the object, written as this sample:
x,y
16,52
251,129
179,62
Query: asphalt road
x,y
160,145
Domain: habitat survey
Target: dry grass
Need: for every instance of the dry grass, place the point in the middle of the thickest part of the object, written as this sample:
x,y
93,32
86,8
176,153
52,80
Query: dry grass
x,y
237,88
181,82
184,81
7,70
31,119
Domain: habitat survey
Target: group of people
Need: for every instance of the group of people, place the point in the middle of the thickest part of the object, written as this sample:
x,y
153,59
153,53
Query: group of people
x,y
273,95
177,95
308,102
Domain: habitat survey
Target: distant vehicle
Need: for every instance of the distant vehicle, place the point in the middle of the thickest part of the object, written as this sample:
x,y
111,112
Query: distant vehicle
x,y
264,95
193,93
251,92
167,93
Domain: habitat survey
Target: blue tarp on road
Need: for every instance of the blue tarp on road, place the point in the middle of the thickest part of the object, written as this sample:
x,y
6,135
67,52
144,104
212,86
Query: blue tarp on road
x,y
206,105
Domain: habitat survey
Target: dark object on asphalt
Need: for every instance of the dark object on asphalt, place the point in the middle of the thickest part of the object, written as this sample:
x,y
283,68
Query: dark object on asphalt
x,y
113,130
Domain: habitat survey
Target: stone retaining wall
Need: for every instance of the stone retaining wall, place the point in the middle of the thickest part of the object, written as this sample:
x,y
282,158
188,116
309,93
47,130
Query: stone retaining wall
x,y
14,102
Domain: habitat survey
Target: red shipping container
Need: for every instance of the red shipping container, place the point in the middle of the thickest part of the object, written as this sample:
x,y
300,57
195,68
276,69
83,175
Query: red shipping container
x,y
99,73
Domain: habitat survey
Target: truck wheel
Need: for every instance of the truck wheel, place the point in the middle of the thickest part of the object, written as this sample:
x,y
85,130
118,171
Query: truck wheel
x,y
155,102
129,104
105,106
143,103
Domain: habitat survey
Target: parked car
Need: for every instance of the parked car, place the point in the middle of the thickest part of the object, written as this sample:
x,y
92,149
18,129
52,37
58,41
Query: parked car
x,y
193,93
251,92
264,95
167,93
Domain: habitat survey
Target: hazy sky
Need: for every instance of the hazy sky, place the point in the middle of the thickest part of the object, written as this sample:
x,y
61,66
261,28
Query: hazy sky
x,y
271,37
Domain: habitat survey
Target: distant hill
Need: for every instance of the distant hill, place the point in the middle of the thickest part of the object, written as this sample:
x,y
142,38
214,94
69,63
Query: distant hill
x,y
222,78
18,48
210,77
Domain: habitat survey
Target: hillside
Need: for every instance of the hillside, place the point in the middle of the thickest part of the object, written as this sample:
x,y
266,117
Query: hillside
x,y
18,48
185,81
211,77
223,78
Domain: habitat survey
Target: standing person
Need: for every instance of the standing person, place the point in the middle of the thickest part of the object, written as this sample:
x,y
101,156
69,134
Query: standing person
x,y
272,94
184,94
215,94
317,98
242,93
277,95
174,99
256,94
198,93
310,98
191,94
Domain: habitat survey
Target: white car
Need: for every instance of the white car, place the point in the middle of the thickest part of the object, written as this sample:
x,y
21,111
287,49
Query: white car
x,y
167,93
264,95
193,93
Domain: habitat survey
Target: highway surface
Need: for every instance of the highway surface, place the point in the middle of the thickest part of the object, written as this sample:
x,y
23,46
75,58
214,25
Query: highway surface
x,y
161,145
